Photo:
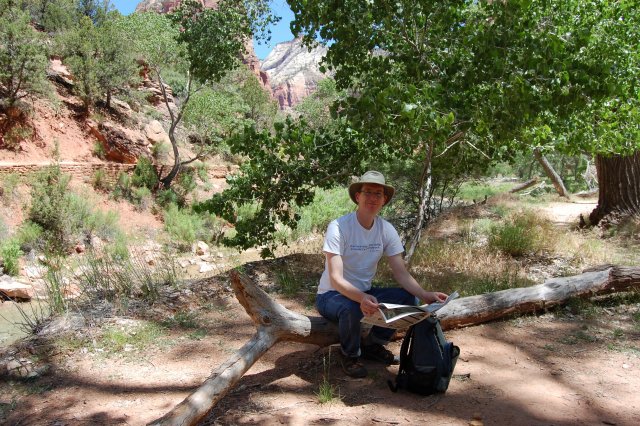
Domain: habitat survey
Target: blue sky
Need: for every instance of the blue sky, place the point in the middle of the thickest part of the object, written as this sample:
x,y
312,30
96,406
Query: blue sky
x,y
279,32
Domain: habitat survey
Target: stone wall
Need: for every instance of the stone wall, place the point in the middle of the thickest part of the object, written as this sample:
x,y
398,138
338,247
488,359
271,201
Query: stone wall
x,y
78,171
85,171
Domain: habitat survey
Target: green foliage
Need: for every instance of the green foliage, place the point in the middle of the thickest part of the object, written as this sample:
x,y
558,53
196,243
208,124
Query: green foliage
x,y
183,226
56,285
17,133
478,190
99,181
144,174
63,217
120,339
142,198
327,205
23,55
49,208
10,254
99,57
29,236
9,187
522,233
117,275
315,109
281,176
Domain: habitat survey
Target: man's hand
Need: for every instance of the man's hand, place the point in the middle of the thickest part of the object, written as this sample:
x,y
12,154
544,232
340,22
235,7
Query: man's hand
x,y
434,296
369,304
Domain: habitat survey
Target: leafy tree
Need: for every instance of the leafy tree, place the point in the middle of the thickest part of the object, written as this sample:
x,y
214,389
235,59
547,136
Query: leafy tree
x,y
99,58
443,89
23,55
205,43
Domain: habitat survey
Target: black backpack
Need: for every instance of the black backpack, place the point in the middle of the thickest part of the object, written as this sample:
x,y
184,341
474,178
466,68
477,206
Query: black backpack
x,y
427,360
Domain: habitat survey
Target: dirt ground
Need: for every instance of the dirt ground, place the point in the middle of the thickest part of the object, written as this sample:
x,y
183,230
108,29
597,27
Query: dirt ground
x,y
560,368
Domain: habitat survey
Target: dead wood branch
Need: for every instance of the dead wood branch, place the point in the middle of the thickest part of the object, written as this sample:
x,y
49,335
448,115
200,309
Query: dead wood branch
x,y
275,323
487,307
524,186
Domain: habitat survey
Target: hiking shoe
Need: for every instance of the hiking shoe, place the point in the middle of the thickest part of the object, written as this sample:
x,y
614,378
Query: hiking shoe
x,y
352,367
377,352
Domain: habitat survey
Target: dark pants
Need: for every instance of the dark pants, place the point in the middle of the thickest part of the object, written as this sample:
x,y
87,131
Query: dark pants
x,y
347,314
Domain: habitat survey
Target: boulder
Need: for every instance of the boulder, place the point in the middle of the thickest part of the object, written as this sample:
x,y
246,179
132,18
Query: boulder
x,y
119,146
14,289
155,133
201,248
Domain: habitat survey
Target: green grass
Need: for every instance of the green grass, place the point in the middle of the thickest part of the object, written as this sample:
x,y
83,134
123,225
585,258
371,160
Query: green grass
x,y
116,339
327,392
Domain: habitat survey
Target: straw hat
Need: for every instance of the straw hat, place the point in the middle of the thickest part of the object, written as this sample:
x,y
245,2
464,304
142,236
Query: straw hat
x,y
371,177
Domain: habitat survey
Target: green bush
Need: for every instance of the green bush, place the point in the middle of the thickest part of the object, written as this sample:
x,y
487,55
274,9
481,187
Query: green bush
x,y
10,254
99,151
142,198
326,206
8,190
160,150
100,182
29,236
122,189
523,233
49,207
183,226
165,197
144,175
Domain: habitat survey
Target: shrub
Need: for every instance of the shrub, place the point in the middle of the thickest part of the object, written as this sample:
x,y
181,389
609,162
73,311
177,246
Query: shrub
x,y
522,233
144,175
49,207
99,181
99,151
29,236
8,190
142,198
165,197
122,188
183,226
10,254
160,150
326,206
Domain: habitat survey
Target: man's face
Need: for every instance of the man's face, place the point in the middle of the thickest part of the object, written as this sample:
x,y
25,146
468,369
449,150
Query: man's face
x,y
371,197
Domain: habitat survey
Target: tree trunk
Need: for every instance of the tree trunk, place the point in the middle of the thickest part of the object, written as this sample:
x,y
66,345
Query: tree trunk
x,y
524,186
275,323
425,190
555,178
619,186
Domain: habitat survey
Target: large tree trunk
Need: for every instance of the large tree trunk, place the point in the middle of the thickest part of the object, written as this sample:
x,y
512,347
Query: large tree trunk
x,y
555,178
275,323
619,186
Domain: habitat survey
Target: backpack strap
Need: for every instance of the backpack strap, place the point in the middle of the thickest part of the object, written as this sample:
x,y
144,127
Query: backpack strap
x,y
405,358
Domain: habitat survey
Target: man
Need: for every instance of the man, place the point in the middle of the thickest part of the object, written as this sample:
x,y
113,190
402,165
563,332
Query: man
x,y
353,245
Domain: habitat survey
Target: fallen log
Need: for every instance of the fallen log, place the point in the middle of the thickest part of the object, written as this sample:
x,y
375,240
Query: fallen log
x,y
275,323
524,186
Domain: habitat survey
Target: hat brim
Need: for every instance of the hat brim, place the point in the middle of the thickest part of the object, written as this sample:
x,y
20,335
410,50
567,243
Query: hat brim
x,y
355,187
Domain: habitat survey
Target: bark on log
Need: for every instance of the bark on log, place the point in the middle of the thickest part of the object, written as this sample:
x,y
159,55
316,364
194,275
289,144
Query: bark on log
x,y
524,186
555,178
486,307
275,323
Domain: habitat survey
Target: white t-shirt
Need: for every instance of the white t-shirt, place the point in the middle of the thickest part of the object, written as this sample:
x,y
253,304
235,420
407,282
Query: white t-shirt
x,y
360,249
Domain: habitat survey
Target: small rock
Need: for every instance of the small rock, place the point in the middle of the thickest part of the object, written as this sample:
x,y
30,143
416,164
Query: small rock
x,y
201,248
206,267
80,248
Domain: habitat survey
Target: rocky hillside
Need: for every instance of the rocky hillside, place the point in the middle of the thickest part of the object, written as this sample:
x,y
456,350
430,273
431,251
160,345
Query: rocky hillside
x,y
293,71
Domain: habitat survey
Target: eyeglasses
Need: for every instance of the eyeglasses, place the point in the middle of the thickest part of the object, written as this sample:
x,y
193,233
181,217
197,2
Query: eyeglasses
x,y
376,195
